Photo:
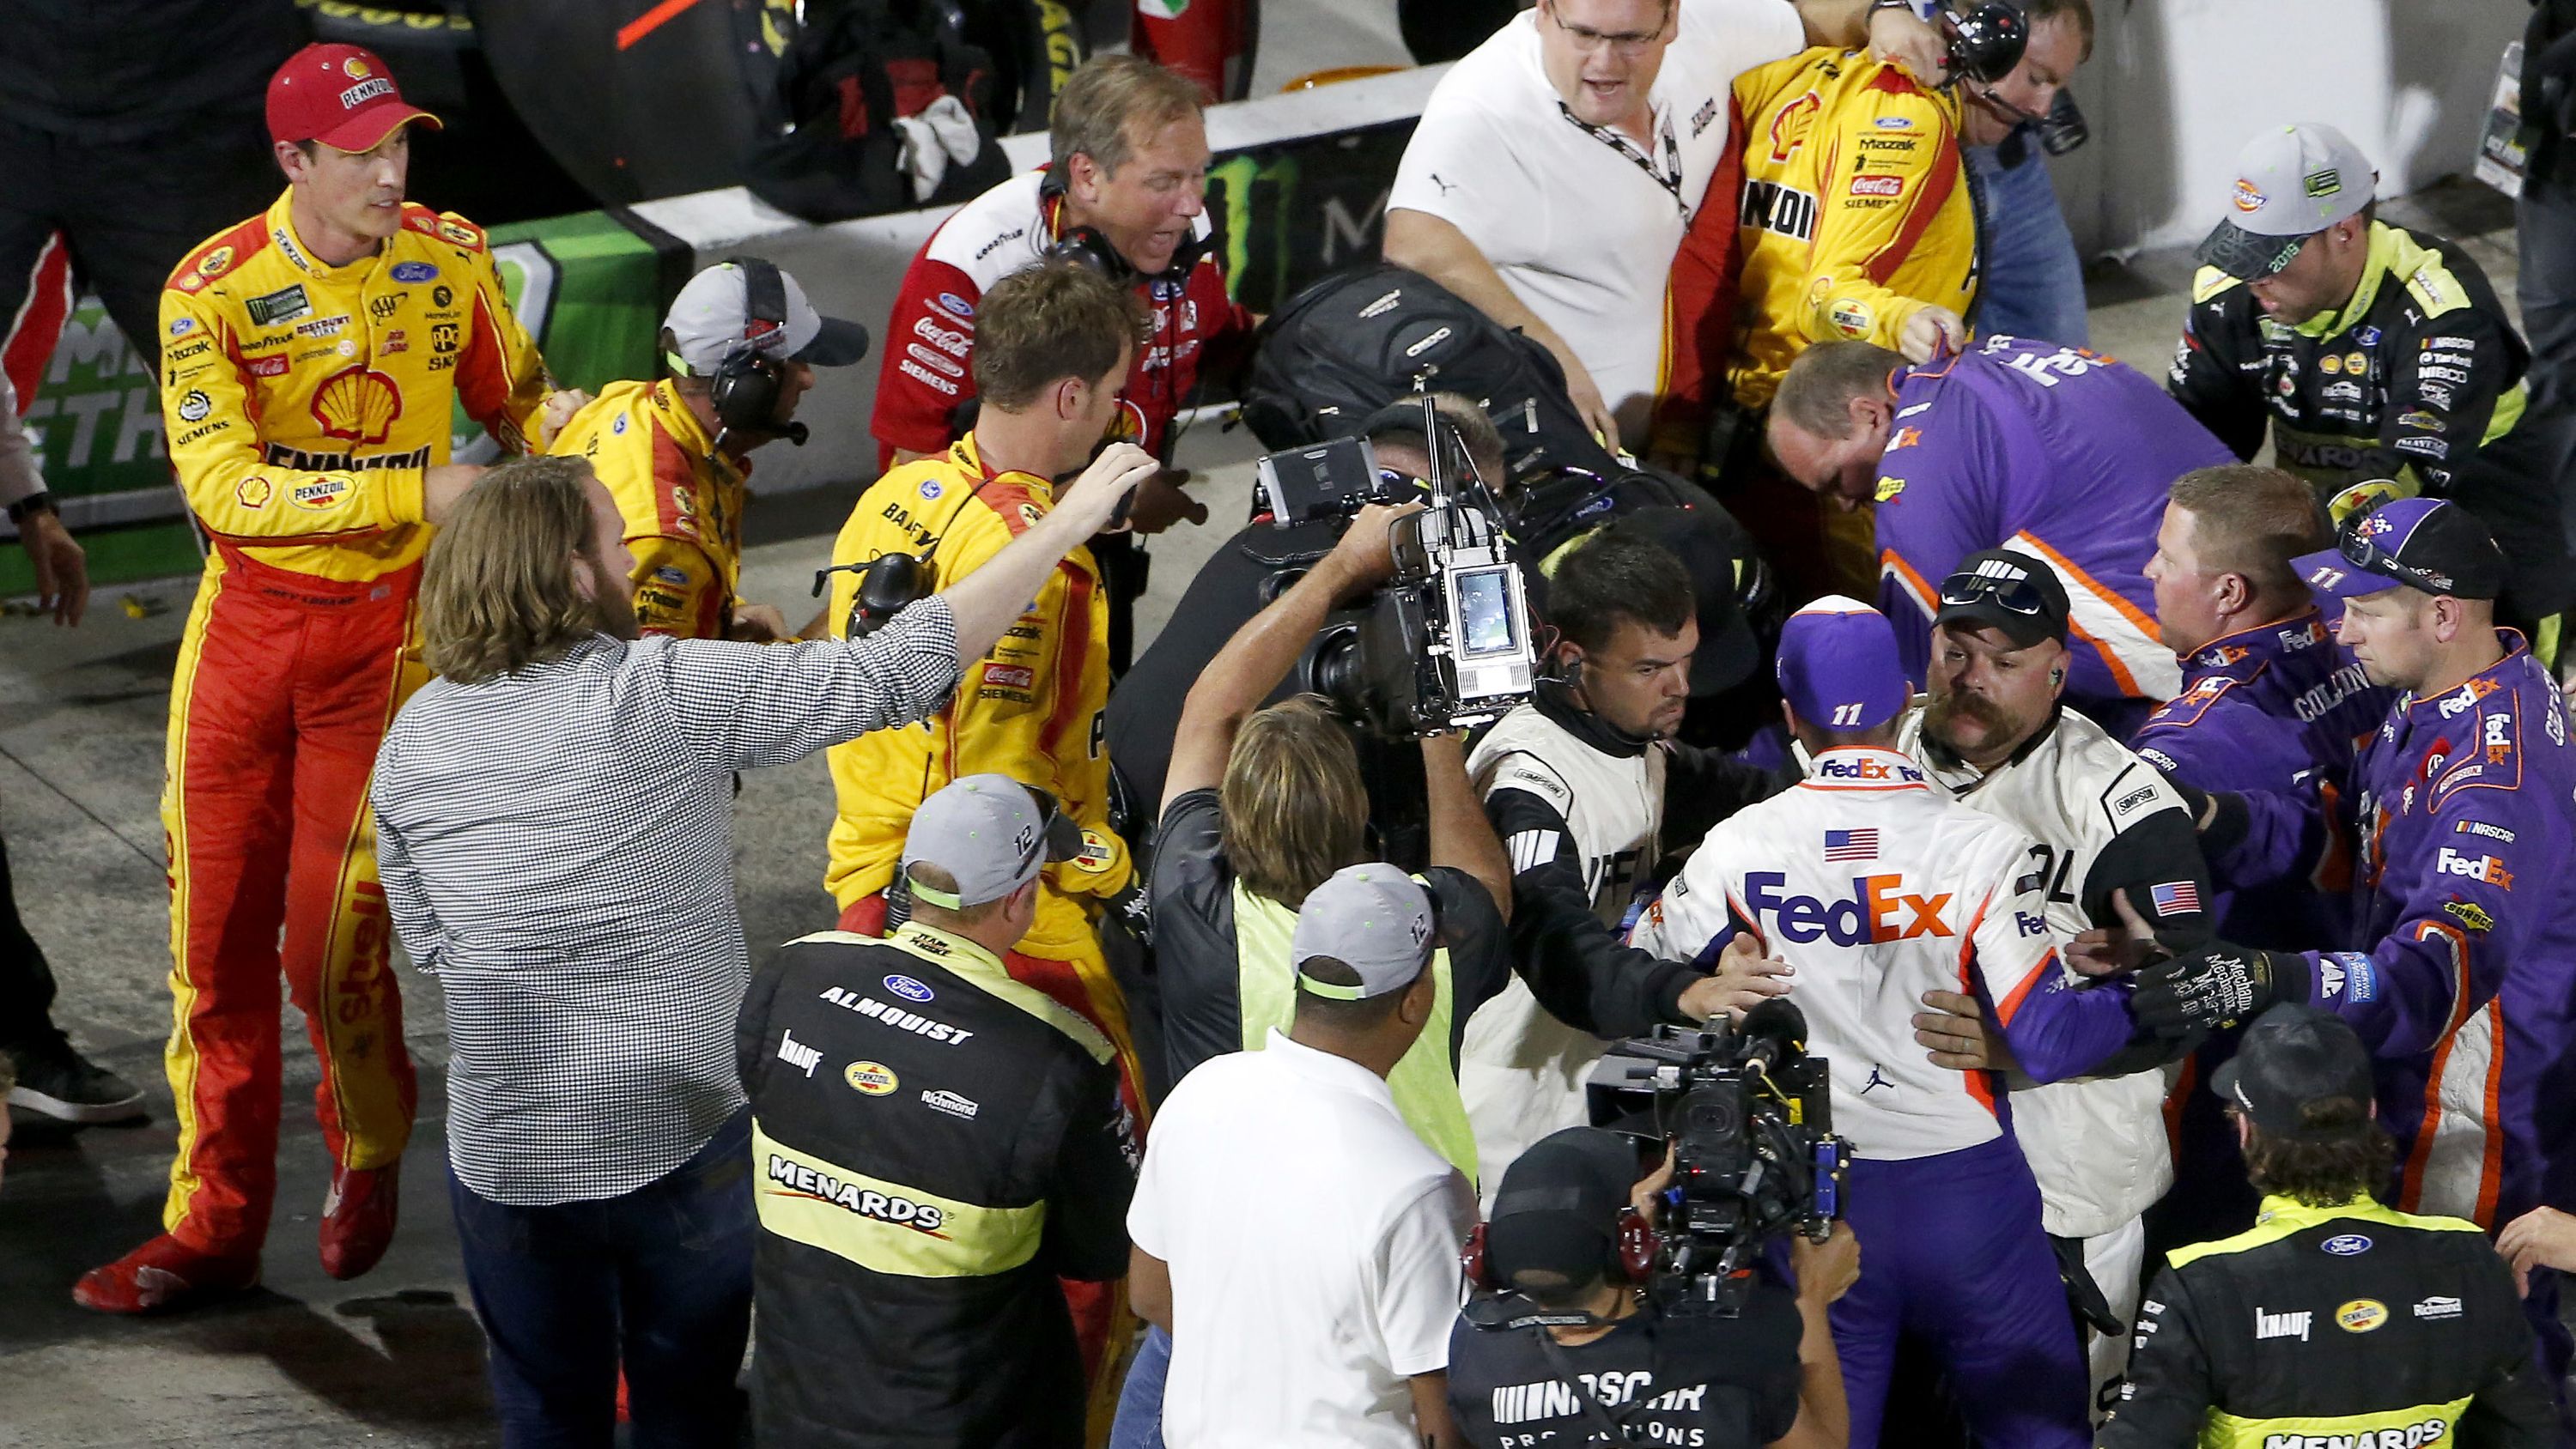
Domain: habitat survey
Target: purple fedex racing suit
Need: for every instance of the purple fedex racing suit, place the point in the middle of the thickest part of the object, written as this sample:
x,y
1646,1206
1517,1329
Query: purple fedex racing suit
x,y
2267,708
2063,454
1877,886
2461,813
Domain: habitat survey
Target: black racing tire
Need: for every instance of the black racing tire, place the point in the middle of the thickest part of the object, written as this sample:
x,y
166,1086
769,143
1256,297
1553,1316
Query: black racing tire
x,y
383,28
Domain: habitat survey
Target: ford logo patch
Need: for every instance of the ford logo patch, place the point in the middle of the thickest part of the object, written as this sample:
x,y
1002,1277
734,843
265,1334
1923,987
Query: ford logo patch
x,y
911,990
2342,1245
414,272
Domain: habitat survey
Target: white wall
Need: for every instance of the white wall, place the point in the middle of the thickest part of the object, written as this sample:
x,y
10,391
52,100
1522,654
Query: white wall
x,y
853,269
2176,87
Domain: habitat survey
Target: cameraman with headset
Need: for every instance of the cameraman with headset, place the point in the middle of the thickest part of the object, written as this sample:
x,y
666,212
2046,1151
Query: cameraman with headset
x,y
741,344
1564,1342
1586,787
1124,191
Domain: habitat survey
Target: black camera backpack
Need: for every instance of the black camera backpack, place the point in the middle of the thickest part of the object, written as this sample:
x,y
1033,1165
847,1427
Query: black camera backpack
x,y
1353,342
854,68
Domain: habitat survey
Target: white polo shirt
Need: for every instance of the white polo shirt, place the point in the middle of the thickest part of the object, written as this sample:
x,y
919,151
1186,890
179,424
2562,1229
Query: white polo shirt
x,y
1313,1242
1583,224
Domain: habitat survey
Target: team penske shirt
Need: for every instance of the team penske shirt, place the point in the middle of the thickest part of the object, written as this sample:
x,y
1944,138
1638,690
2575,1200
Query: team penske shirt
x,y
1877,888
925,369
1582,222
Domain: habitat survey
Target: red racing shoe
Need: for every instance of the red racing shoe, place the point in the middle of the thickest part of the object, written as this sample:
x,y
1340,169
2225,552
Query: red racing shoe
x,y
358,1218
163,1276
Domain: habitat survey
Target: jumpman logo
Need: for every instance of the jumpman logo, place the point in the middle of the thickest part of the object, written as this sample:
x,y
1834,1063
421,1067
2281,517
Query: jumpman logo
x,y
1875,1080
1445,186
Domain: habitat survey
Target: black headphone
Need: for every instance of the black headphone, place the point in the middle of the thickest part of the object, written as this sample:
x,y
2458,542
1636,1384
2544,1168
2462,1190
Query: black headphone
x,y
1087,246
1631,1258
893,582
746,385
1987,42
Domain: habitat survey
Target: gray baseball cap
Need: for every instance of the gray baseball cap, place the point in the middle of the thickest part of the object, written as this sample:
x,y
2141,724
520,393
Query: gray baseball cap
x,y
712,319
1372,918
2291,183
991,833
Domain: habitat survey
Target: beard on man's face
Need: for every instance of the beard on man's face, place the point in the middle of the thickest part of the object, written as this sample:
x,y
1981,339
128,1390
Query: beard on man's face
x,y
612,608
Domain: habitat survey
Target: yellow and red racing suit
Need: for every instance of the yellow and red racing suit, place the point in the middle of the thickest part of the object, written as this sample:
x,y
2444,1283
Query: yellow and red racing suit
x,y
1855,214
1856,211
303,403
681,499
1034,708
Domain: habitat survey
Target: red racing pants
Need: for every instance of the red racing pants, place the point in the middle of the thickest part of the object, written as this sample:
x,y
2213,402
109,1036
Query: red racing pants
x,y
285,685
1101,1322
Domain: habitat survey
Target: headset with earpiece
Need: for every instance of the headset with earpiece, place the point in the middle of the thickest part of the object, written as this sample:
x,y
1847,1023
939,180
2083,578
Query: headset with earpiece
x,y
1088,246
893,582
1631,1260
746,384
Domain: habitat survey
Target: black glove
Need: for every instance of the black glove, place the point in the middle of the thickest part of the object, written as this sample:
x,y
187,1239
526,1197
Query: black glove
x,y
2216,986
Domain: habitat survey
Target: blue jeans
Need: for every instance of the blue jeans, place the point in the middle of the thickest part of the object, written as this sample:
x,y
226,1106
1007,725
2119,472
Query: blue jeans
x,y
2029,280
660,1277
1139,1424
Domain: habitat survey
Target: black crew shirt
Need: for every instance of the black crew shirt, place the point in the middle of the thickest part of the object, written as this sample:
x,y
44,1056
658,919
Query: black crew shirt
x,y
1696,1382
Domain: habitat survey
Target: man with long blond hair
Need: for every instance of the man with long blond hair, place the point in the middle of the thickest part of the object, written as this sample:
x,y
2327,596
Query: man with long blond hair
x,y
1260,807
554,819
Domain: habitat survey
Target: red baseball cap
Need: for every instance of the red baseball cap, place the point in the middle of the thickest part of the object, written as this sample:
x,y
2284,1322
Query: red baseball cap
x,y
340,95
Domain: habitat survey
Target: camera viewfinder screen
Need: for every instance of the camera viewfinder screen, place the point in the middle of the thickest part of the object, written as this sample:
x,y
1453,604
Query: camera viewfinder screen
x,y
1485,612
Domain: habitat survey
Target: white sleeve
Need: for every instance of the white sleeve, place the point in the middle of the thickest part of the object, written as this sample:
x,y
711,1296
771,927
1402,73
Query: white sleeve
x,y
1417,1272
1691,914
1461,167
1145,1207
18,476
1739,35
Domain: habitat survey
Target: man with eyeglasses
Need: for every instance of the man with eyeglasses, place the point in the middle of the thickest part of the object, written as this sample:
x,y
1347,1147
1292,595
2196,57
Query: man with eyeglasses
x,y
2454,828
2370,351
2058,452
1580,165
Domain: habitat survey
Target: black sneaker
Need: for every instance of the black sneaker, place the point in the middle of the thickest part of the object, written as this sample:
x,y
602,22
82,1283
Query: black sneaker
x,y
56,1081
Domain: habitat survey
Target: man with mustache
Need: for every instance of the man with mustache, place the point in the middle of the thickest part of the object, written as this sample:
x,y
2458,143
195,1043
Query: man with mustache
x,y
1995,732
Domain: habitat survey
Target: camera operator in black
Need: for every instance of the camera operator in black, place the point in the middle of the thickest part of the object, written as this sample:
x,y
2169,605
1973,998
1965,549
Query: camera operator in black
x,y
2334,1319
1564,1344
1263,805
1242,577
1585,786
934,1145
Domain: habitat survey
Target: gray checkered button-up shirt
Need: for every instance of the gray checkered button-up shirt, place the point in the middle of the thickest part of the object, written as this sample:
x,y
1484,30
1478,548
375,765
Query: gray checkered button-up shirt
x,y
557,848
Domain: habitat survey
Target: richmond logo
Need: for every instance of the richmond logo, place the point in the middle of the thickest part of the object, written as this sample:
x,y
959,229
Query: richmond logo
x,y
357,403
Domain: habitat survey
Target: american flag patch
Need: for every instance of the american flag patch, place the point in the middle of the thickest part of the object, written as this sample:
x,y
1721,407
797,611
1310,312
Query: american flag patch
x,y
1852,845
2176,898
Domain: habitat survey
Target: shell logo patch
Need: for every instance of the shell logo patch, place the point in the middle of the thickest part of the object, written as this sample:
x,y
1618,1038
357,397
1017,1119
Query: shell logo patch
x,y
253,491
874,1079
355,69
357,403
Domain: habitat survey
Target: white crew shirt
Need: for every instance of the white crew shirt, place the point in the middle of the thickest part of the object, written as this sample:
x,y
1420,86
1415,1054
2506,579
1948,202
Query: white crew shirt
x,y
1583,223
1313,1243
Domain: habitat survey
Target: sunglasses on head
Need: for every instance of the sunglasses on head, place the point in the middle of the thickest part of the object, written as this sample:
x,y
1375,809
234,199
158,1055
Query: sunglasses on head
x,y
2018,596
